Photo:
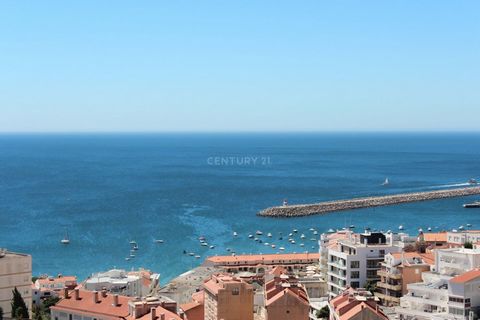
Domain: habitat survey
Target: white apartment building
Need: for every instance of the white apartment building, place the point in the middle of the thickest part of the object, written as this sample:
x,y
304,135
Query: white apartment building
x,y
15,272
456,261
355,260
451,292
461,237
134,283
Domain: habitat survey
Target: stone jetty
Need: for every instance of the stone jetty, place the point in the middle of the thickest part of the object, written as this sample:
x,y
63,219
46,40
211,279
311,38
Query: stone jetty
x,y
367,202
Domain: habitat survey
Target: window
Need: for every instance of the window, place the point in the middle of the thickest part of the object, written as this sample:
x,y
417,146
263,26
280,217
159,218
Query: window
x,y
372,274
355,264
235,291
355,274
355,284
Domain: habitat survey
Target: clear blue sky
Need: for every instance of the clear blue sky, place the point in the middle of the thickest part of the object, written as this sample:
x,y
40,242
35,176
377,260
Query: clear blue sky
x,y
239,65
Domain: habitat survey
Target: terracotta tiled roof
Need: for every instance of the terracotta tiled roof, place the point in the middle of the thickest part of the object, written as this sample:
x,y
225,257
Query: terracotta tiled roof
x,y
427,258
271,258
158,311
361,307
216,282
63,279
86,304
435,237
467,276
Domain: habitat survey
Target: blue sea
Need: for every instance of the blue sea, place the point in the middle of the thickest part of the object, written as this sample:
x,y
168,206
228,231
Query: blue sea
x,y
108,189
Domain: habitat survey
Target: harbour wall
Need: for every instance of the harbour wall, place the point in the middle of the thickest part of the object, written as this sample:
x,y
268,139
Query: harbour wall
x,y
367,202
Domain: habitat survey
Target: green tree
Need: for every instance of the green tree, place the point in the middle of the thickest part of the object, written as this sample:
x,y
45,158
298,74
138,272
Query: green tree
x,y
371,286
323,313
468,245
19,308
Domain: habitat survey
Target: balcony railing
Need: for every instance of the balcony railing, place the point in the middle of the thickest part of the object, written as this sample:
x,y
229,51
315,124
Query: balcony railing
x,y
391,275
394,287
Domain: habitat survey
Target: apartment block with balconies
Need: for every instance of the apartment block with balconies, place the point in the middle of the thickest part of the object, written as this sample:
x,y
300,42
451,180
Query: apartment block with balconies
x,y
397,271
354,261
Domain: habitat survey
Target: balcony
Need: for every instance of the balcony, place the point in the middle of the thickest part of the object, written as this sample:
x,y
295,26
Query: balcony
x,y
391,275
388,298
337,275
337,264
394,287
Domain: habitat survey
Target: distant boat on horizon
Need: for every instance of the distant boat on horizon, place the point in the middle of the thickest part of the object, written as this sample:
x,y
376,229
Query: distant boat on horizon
x,y
472,182
386,182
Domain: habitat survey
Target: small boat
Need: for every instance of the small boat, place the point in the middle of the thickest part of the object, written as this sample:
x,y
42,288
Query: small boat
x,y
461,228
127,258
269,235
204,244
352,226
259,233
158,240
228,249
266,244
420,230
212,247
292,242
235,234
202,238
469,225
135,247
302,236
65,239
311,229
250,236
386,182
301,245
290,234
132,255
191,254
256,239
285,202
295,230
197,257
429,229
472,205
315,232
472,181
281,248
400,227
273,246
331,230
133,242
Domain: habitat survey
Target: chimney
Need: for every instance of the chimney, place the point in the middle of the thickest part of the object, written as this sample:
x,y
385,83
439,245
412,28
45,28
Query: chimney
x,y
76,294
115,300
153,313
65,293
95,296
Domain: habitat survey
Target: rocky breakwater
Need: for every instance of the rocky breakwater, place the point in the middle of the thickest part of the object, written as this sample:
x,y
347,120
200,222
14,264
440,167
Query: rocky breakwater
x,y
367,202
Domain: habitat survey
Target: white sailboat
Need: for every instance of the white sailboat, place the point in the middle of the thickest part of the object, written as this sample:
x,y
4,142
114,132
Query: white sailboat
x,y
386,182
65,239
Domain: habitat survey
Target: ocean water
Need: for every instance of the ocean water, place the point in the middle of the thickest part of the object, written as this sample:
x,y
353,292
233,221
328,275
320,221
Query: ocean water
x,y
109,189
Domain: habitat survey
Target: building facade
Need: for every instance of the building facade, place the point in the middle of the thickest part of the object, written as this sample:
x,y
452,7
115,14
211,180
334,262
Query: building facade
x,y
228,298
354,261
15,272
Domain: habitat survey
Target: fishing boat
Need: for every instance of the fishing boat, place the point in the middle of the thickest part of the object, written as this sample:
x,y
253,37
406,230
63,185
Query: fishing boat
x,y
259,233
302,236
295,230
65,239
250,236
386,182
159,241
281,248
269,235
235,234
212,247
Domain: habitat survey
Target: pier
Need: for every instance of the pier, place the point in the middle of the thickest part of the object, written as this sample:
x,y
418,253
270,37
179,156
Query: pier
x,y
366,202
